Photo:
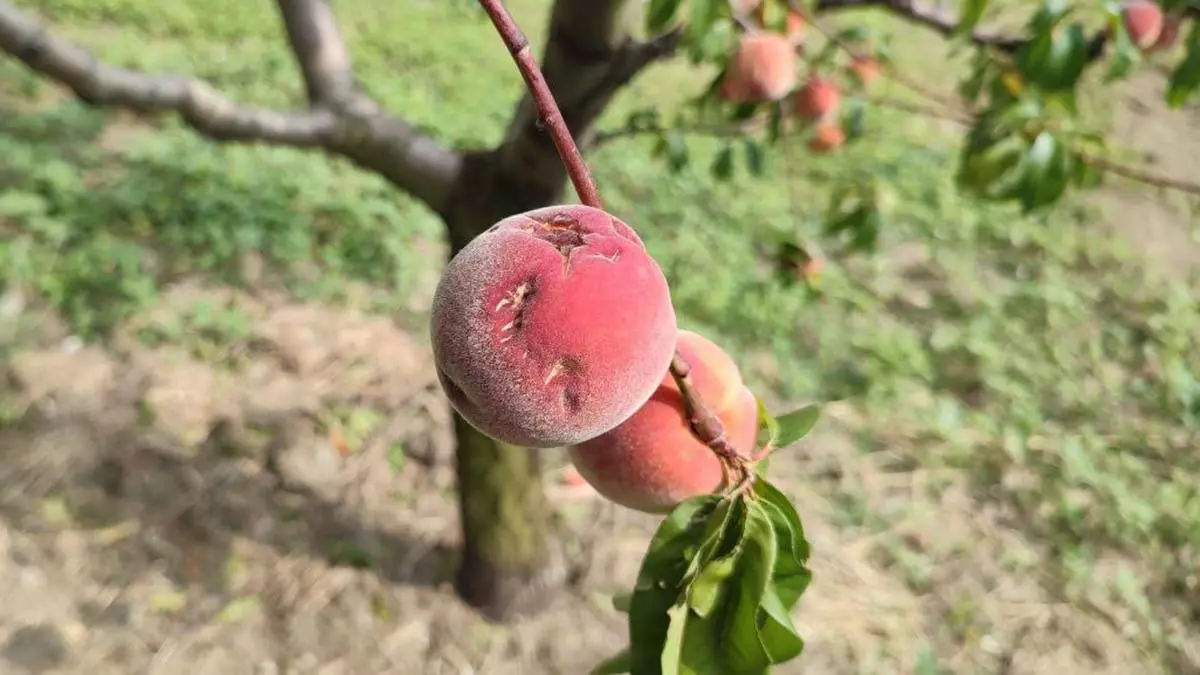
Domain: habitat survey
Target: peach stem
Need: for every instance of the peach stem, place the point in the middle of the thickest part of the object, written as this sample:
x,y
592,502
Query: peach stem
x,y
704,424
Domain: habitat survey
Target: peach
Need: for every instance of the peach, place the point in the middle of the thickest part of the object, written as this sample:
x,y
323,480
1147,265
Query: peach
x,y
796,23
817,99
762,69
864,69
827,137
653,460
1144,21
552,327
1168,35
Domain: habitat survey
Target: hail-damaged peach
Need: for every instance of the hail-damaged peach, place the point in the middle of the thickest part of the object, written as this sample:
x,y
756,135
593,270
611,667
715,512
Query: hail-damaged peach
x,y
552,327
653,460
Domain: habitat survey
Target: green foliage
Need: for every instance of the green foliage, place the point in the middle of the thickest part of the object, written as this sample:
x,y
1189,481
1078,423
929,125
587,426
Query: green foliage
x,y
1027,143
719,571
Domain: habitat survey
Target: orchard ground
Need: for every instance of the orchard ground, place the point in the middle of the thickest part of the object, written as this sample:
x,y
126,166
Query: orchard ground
x,y
238,479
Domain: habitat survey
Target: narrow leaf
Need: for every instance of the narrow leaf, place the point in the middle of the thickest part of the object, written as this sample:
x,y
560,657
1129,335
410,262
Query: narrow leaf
x,y
672,652
779,634
796,424
744,651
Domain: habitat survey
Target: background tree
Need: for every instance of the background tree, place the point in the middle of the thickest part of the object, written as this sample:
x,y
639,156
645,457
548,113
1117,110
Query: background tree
x,y
1017,104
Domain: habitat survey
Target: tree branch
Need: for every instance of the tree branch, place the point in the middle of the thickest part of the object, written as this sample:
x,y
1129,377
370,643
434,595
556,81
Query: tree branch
x,y
342,121
945,22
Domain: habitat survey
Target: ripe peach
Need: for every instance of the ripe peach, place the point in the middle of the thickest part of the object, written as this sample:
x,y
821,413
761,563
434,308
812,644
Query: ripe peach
x,y
552,327
762,69
796,23
1168,35
864,69
827,137
817,99
1144,21
653,461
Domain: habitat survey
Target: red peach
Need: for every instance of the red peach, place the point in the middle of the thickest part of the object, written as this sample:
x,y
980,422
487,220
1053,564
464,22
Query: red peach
x,y
827,137
762,69
1144,21
817,99
1169,34
864,69
653,460
796,23
552,327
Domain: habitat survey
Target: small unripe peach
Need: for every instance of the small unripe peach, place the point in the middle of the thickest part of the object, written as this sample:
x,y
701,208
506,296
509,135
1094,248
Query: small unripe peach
x,y
552,327
762,69
817,99
864,69
653,460
827,137
1144,22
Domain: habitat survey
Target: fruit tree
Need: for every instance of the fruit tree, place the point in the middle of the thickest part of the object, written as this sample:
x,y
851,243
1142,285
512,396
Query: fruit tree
x,y
553,326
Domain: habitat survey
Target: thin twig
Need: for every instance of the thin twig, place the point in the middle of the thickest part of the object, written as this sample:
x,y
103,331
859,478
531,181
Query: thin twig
x,y
518,45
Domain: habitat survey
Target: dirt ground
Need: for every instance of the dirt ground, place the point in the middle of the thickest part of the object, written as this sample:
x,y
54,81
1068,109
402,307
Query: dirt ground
x,y
291,511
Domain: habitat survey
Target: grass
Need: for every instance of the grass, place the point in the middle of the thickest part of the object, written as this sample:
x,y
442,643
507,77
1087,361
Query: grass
x,y
1039,364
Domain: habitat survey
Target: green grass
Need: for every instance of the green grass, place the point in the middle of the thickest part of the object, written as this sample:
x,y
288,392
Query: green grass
x,y
1036,348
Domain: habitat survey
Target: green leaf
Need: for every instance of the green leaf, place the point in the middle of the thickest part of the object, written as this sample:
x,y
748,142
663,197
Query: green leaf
x,y
658,583
744,651
1186,77
722,166
675,145
779,635
701,642
797,424
1047,170
715,526
619,663
791,575
768,427
661,14
708,587
972,12
702,20
1125,55
755,157
672,652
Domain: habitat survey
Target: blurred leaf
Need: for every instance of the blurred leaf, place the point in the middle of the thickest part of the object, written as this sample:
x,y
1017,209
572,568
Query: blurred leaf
x,y
722,166
1055,59
755,157
705,15
621,662
796,424
768,427
1047,170
661,14
972,12
1186,76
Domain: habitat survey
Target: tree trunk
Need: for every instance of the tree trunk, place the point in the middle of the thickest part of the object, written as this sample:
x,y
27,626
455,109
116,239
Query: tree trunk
x,y
505,526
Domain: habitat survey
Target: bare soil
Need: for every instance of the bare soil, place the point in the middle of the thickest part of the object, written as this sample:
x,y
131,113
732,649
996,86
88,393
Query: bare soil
x,y
288,507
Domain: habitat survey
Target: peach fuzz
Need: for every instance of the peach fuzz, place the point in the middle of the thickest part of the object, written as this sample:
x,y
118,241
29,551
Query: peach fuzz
x,y
1144,21
762,69
552,327
653,461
